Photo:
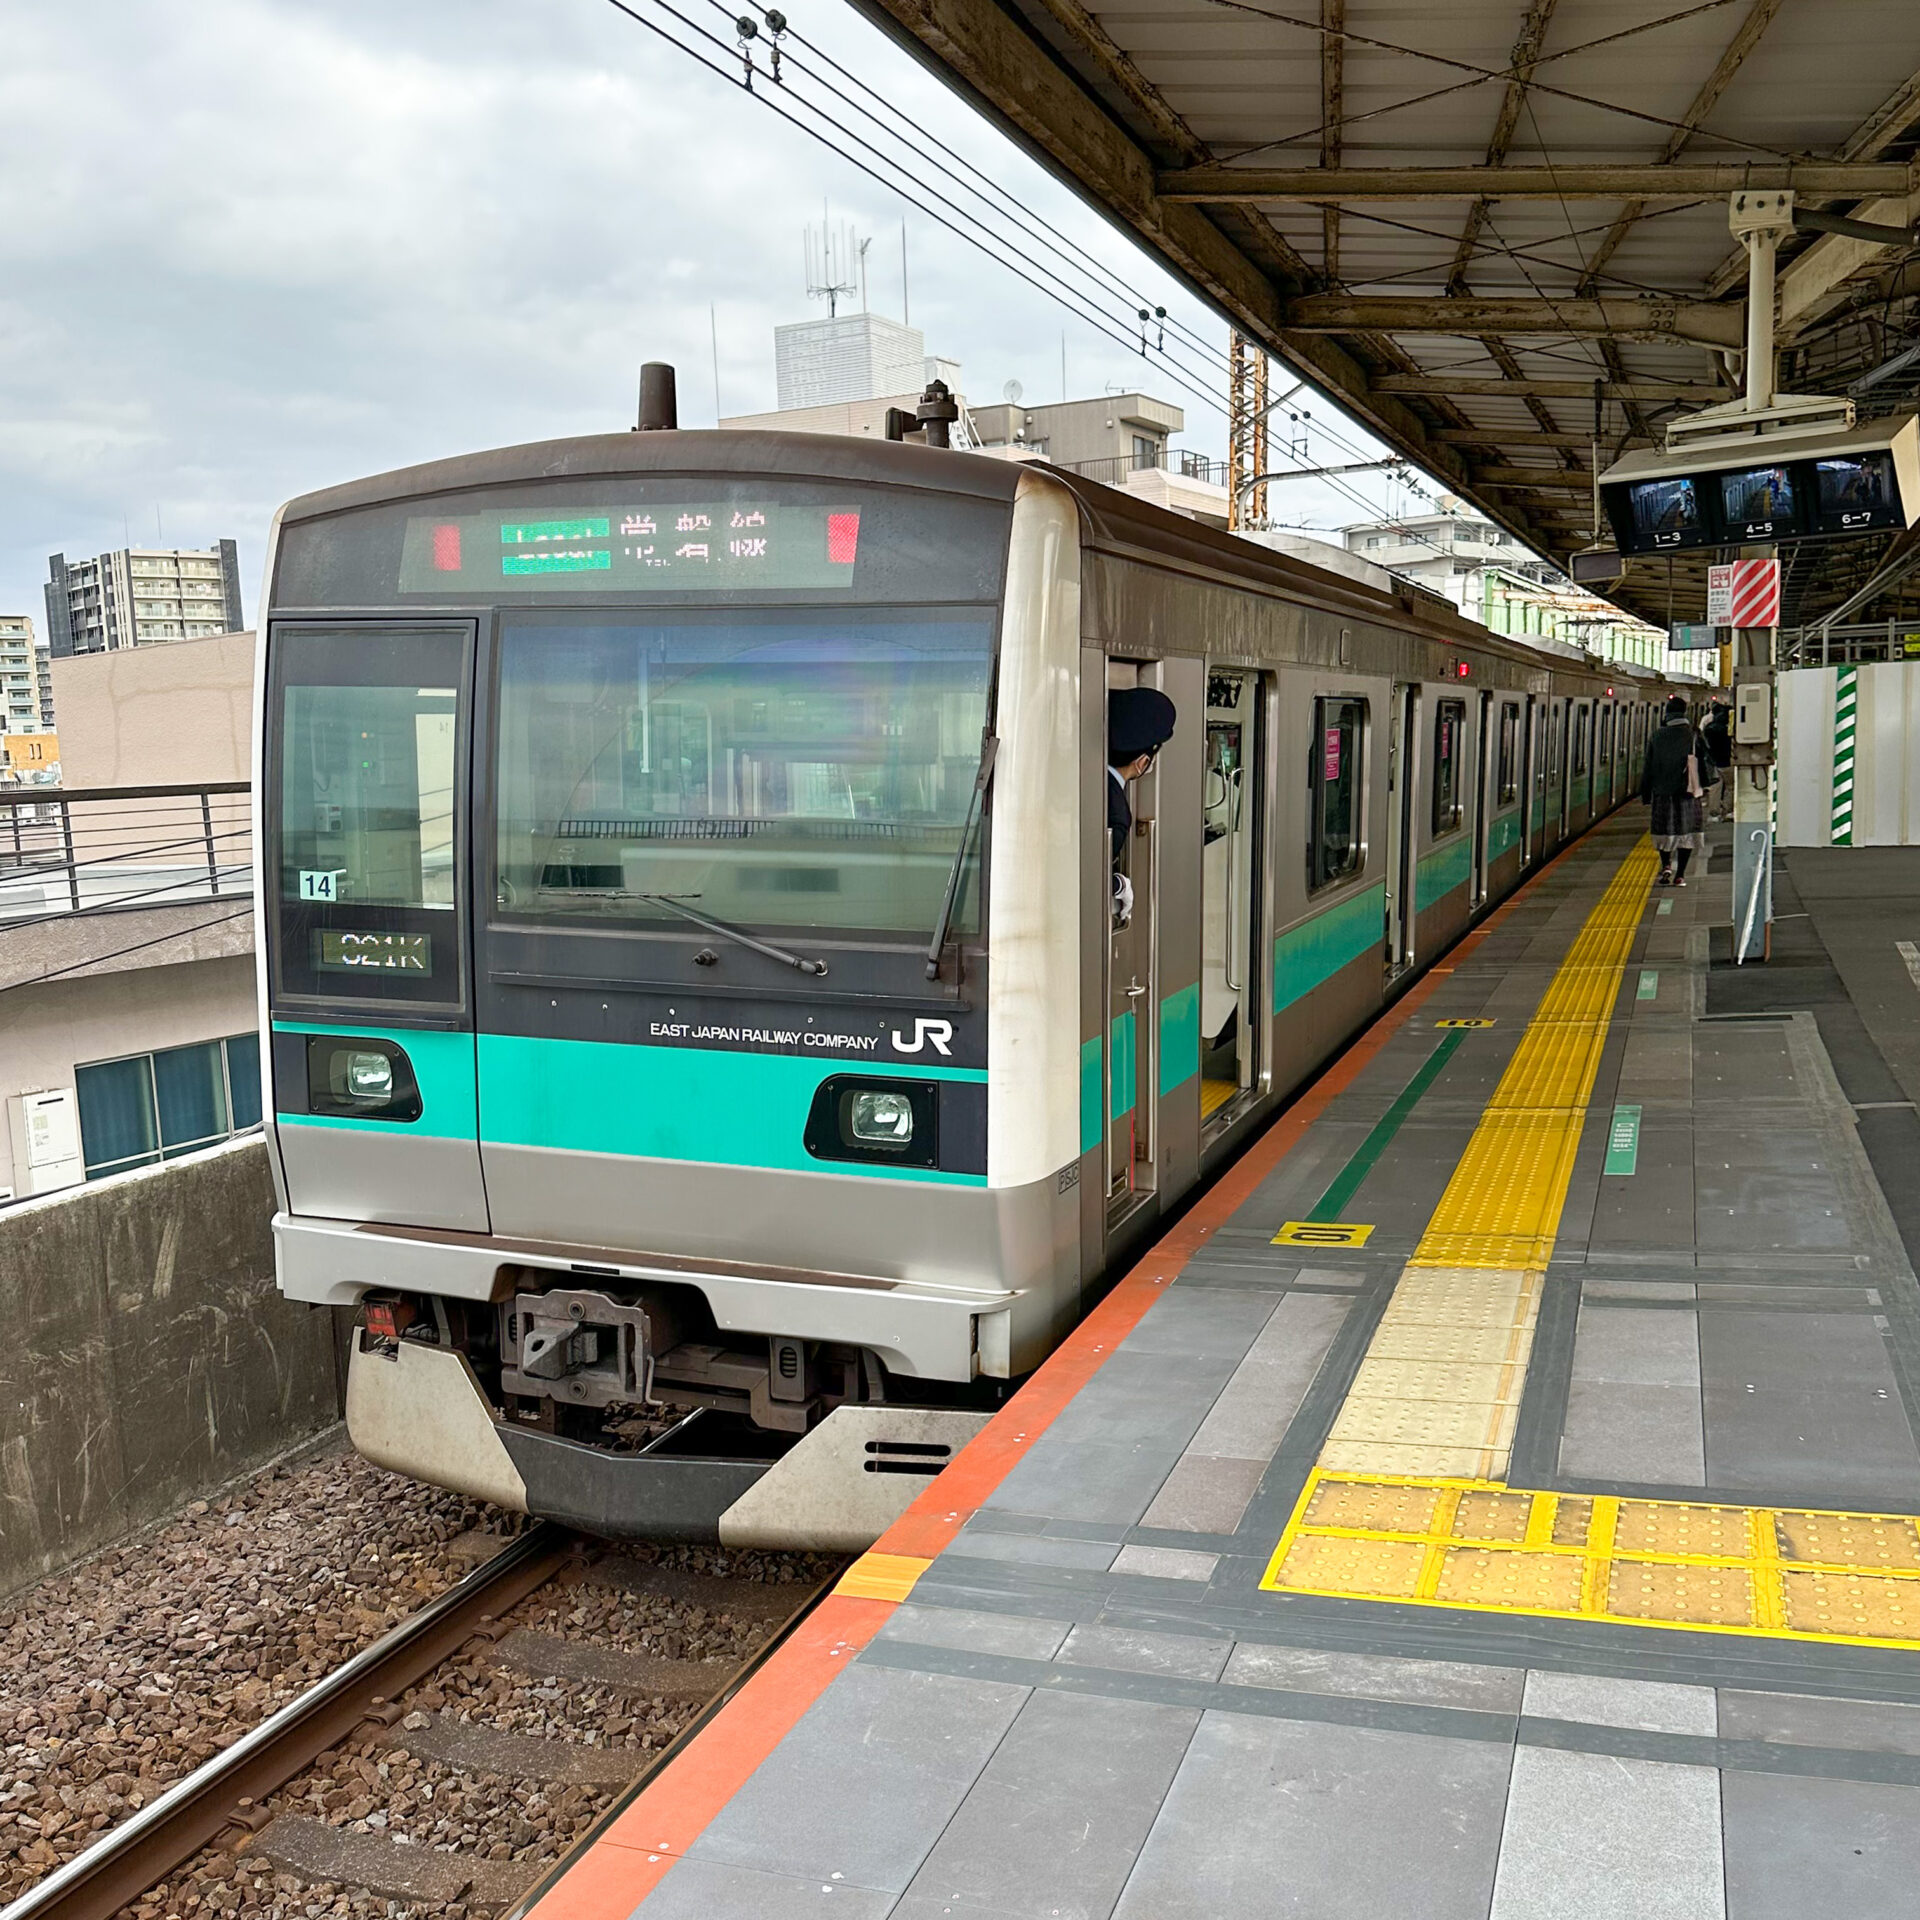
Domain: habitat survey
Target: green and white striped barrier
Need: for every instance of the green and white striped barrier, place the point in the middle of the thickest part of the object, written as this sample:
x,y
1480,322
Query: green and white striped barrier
x,y
1846,698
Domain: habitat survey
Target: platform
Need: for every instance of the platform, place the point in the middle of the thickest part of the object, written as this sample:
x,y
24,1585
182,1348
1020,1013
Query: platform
x,y
1493,1499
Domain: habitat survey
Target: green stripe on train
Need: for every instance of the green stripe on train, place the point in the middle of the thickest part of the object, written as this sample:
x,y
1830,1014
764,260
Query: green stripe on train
x,y
1313,952
1503,834
674,1103
1446,867
1090,1064
442,1065
1179,1038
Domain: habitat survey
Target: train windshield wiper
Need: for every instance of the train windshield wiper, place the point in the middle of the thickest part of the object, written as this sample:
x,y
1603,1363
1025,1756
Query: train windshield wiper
x,y
982,779
675,903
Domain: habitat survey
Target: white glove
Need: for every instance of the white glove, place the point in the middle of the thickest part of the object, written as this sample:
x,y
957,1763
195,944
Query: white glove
x,y
1122,900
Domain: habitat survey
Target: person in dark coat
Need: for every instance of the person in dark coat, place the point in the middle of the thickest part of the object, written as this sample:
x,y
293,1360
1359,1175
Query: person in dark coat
x,y
1719,739
1672,783
1139,723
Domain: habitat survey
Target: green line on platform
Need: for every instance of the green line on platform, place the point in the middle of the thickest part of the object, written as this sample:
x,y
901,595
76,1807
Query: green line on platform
x,y
1347,1181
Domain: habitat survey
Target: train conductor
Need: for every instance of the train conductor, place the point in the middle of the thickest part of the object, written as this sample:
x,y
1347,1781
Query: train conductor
x,y
1139,723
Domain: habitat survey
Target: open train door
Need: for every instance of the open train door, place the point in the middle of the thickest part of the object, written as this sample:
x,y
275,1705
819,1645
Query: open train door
x,y
1482,777
1402,780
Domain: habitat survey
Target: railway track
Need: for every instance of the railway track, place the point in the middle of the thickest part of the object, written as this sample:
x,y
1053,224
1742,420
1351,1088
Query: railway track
x,y
262,1809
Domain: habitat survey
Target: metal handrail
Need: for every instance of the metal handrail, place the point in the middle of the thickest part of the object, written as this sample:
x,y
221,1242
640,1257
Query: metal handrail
x,y
44,796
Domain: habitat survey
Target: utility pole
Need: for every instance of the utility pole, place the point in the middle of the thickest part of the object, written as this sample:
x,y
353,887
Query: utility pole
x,y
1240,456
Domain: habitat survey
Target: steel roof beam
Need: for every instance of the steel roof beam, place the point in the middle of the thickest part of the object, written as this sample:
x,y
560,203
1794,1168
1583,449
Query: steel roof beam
x,y
1514,437
1746,38
1700,180
1333,111
1698,321
1526,53
1653,392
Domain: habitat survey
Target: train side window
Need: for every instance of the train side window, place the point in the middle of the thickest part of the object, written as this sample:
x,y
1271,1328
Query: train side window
x,y
1582,723
1508,764
1449,750
1334,847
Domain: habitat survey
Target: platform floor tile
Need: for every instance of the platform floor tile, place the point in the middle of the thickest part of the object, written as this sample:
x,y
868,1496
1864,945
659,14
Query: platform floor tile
x,y
1800,1847
867,1781
1055,1822
1605,1838
1335,1822
1603,1700
710,1890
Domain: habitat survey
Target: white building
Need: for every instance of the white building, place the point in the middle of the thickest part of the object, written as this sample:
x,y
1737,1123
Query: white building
x,y
26,678
136,595
1491,578
852,356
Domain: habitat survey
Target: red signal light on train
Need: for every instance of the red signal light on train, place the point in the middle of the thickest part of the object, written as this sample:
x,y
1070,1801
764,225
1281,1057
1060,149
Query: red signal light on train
x,y
1463,669
843,538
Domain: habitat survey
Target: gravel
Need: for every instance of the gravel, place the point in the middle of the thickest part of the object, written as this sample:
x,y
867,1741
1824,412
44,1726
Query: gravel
x,y
128,1671
121,1675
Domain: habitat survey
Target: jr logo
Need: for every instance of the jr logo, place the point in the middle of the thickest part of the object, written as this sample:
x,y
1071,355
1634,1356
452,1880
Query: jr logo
x,y
940,1032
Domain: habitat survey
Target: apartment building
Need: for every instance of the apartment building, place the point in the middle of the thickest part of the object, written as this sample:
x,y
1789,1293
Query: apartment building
x,y
26,677
135,596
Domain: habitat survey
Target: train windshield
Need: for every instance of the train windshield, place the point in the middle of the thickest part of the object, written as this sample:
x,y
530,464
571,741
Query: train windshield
x,y
781,768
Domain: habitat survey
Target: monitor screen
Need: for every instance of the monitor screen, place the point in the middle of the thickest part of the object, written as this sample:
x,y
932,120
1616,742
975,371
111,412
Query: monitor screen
x,y
1855,492
1666,513
1756,503
337,950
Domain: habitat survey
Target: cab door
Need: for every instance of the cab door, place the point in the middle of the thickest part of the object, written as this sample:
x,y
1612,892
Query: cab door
x,y
364,806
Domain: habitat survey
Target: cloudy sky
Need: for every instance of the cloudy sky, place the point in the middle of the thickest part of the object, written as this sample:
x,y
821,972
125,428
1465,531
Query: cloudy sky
x,y
258,246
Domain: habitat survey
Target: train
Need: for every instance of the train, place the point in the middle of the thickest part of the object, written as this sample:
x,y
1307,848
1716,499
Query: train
x,y
704,1054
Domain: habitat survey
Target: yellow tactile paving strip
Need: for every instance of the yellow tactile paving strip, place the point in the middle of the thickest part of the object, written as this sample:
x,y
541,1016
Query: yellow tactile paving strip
x,y
1786,1573
1408,1503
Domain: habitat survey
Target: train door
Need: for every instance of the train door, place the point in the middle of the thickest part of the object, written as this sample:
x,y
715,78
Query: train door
x,y
1529,778
1482,773
1556,773
1233,782
1132,992
1402,781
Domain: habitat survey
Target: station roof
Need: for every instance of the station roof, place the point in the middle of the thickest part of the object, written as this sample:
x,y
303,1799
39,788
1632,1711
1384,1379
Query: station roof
x,y
1484,225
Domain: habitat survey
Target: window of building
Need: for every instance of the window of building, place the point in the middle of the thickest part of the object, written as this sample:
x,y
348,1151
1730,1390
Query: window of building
x,y
1146,450
156,1106
1508,764
1449,756
1334,846
1374,540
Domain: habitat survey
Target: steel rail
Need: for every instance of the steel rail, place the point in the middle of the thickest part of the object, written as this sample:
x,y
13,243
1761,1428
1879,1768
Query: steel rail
x,y
163,1836
552,1875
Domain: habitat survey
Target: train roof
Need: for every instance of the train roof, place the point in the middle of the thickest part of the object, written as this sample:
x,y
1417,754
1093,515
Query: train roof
x,y
1116,521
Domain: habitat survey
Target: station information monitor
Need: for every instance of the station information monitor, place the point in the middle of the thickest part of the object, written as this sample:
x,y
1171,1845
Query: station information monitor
x,y
665,547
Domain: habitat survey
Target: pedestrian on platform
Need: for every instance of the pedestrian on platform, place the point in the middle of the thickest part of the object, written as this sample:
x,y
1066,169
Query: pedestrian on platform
x,y
1139,723
1671,783
1719,738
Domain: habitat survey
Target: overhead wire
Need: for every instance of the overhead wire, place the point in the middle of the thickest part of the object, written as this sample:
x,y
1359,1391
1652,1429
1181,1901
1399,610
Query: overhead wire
x,y
1075,300
990,189
1033,273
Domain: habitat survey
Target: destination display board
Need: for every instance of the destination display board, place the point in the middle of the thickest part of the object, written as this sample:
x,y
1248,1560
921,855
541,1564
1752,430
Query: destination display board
x,y
666,547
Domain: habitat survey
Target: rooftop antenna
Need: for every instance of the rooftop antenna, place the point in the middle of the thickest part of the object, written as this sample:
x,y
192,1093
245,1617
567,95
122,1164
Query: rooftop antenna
x,y
863,246
906,318
835,263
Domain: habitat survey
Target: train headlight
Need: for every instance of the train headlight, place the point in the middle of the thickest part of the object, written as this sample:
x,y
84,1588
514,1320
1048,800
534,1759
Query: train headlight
x,y
370,1077
883,1119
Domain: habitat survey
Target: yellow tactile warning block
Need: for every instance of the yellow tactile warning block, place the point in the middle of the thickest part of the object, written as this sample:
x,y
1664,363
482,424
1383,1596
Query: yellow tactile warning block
x,y
1458,1542
882,1576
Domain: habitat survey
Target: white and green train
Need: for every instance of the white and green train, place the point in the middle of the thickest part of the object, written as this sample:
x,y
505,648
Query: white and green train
x,y
700,1038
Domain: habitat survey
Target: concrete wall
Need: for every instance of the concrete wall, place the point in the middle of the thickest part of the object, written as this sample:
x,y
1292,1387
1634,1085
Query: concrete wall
x,y
148,1355
157,716
55,1026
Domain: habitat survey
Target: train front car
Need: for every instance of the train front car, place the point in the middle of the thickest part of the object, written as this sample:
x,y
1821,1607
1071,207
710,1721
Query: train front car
x,y
669,861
